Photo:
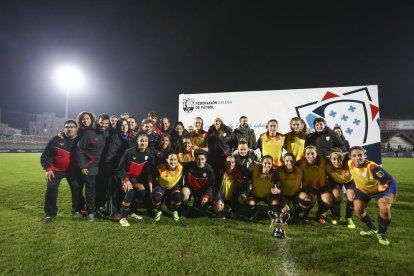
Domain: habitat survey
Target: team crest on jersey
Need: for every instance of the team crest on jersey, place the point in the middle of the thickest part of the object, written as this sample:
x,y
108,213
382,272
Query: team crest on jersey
x,y
204,174
364,174
354,112
328,138
62,144
379,174
188,105
146,157
133,157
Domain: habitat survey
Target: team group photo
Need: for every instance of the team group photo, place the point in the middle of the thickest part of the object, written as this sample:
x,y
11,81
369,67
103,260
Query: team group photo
x,y
206,138
118,164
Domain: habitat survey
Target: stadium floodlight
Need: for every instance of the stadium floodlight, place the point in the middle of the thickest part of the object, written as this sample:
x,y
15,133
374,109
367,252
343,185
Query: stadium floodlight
x,y
69,77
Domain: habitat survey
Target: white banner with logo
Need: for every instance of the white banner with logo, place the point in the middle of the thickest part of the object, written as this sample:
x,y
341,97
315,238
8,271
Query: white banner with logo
x,y
355,109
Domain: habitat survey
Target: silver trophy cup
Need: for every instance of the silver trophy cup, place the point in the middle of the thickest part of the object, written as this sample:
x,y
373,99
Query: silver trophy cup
x,y
279,223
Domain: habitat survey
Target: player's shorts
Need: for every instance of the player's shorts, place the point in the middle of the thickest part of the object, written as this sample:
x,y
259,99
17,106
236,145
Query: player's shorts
x,y
166,193
360,195
138,180
197,195
334,185
393,187
290,199
313,191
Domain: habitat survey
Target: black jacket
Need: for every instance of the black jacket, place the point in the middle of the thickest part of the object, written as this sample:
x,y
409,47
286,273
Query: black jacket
x,y
245,163
201,180
118,144
89,150
134,163
246,133
220,146
176,139
325,141
59,154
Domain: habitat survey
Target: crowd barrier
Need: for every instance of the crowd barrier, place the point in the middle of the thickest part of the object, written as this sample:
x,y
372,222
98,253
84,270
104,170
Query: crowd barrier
x,y
397,154
383,154
21,150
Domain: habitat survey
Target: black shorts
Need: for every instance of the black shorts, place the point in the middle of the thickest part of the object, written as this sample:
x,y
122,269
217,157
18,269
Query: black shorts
x,y
313,191
294,198
334,185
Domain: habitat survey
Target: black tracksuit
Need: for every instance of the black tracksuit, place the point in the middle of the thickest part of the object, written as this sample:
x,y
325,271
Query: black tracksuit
x,y
103,177
118,144
88,154
219,146
137,167
58,156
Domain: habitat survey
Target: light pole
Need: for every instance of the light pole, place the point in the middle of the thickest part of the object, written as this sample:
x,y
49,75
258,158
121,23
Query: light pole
x,y
68,77
67,104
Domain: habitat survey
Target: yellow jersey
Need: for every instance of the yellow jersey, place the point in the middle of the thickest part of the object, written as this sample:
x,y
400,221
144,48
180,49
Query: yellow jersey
x,y
370,178
290,182
185,157
295,144
227,186
314,175
341,175
166,178
273,146
199,139
262,183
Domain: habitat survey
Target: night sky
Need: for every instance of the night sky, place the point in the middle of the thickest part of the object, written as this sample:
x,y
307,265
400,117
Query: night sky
x,y
140,55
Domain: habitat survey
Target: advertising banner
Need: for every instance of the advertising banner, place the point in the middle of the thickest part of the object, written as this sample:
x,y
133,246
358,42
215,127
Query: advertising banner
x,y
354,109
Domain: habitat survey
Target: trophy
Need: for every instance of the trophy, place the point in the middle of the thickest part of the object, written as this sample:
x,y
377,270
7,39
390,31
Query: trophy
x,y
279,224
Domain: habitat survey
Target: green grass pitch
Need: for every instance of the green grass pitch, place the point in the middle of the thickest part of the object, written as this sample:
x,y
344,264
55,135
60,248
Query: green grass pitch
x,y
194,246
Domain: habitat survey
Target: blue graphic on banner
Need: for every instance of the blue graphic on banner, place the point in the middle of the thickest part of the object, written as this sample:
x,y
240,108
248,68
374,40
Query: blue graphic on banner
x,y
353,114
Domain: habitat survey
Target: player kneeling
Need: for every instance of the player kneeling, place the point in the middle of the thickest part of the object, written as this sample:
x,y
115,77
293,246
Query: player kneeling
x,y
167,183
372,182
263,187
314,184
231,189
290,181
339,176
199,183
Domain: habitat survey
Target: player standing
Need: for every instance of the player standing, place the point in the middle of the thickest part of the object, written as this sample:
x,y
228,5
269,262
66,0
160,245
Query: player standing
x,y
57,161
271,143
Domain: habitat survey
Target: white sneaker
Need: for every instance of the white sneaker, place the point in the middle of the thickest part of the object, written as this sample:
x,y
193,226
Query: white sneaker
x,y
124,222
135,216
